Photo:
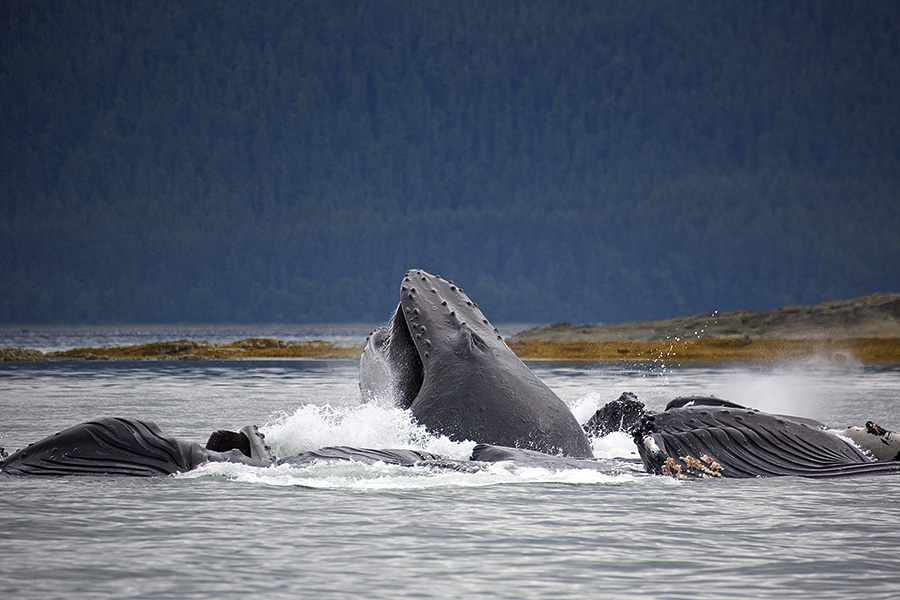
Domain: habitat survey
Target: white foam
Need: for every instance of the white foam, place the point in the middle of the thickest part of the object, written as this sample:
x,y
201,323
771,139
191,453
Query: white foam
x,y
584,408
617,444
381,424
371,425
380,476
377,425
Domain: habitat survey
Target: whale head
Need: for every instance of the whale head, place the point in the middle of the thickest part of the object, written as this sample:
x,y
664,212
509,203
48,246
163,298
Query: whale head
x,y
441,358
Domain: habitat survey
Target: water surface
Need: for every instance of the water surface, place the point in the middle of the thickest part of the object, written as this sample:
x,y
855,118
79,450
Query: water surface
x,y
358,531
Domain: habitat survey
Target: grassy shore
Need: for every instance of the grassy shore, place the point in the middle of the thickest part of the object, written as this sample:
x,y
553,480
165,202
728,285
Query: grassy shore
x,y
191,350
875,350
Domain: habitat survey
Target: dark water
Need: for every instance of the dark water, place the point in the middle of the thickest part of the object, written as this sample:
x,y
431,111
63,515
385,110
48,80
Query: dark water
x,y
357,531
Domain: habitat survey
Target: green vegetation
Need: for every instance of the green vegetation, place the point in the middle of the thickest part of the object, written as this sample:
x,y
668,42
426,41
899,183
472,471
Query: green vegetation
x,y
238,161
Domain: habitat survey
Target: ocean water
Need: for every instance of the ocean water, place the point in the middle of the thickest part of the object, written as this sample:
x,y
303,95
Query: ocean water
x,y
378,531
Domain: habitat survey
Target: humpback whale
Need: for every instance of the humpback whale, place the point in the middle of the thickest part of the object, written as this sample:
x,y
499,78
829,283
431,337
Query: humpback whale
x,y
441,358
116,446
127,447
710,437
694,437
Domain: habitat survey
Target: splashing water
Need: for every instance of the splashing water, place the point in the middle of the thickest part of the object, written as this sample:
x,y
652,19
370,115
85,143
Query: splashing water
x,y
381,425
379,476
371,425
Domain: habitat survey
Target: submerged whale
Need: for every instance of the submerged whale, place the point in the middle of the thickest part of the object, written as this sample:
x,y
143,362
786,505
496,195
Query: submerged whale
x,y
440,358
709,437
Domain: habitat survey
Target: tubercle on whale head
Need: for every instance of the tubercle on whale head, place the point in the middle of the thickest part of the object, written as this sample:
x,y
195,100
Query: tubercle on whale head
x,y
430,321
442,307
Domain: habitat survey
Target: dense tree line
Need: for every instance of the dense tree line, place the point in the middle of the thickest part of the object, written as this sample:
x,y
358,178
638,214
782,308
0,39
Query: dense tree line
x,y
227,161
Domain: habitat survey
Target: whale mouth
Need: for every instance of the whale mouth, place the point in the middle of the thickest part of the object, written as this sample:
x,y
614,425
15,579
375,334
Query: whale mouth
x,y
408,371
390,367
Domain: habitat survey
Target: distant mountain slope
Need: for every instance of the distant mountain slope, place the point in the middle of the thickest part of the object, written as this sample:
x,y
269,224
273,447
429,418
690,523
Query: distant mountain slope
x,y
287,161
877,315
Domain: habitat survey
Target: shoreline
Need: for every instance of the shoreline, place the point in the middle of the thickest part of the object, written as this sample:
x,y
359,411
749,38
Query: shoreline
x,y
715,350
865,329
699,350
191,350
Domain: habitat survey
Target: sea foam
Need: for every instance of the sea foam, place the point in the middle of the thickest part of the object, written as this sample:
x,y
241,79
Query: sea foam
x,y
370,425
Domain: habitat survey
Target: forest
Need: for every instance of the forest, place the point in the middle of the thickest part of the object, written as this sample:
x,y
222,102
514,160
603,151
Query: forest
x,y
594,162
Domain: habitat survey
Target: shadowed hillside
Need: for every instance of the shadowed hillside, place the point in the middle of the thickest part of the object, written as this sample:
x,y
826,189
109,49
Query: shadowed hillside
x,y
231,161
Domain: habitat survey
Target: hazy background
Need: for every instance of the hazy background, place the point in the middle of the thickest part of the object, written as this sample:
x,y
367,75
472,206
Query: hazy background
x,y
585,161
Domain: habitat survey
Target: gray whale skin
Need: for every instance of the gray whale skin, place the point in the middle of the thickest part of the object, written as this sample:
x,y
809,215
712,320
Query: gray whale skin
x,y
446,363
702,436
115,446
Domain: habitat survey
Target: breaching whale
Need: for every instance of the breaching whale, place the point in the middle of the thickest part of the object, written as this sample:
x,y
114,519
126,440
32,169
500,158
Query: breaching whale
x,y
441,358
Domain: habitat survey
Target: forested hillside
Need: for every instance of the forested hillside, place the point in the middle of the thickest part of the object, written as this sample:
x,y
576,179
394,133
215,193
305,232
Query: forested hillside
x,y
236,161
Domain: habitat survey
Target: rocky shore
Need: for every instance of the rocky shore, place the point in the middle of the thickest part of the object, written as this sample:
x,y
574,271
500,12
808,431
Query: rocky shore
x,y
875,316
865,329
256,347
